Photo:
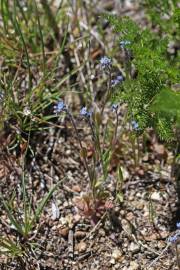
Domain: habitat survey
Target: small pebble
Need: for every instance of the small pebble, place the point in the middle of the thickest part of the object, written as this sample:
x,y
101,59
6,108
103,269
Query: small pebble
x,y
112,261
117,254
79,234
76,188
156,196
64,232
133,247
81,247
134,265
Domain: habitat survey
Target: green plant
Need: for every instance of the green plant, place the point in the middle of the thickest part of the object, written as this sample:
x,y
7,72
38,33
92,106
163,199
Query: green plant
x,y
164,16
23,221
94,202
29,84
149,92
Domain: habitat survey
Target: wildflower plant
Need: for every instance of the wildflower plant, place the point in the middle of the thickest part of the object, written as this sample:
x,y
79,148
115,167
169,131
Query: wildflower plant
x,y
117,80
84,112
105,63
175,237
151,64
102,151
95,200
23,221
123,44
149,94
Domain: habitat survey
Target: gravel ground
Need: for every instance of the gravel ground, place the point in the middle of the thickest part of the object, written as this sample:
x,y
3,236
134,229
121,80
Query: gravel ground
x,y
132,235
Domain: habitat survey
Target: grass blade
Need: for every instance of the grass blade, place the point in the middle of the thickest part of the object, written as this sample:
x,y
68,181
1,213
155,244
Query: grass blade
x,y
44,201
11,217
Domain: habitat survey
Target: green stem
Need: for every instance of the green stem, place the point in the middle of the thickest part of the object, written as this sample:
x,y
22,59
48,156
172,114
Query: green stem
x,y
116,127
81,146
98,149
41,36
108,93
134,151
51,18
17,27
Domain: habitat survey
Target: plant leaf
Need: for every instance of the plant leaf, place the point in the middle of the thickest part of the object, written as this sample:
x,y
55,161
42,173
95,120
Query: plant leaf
x,y
44,201
13,220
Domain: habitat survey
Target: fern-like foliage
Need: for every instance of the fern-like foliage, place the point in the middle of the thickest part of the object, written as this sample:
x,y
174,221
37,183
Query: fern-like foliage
x,y
148,95
164,14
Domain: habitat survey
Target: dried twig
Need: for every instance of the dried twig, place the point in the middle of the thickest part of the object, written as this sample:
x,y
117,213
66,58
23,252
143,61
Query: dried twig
x,y
95,227
159,256
71,244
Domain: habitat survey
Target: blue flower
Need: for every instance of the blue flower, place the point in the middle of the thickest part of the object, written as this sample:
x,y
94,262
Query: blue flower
x,y
60,107
105,62
123,43
176,236
135,125
114,107
85,112
173,238
117,80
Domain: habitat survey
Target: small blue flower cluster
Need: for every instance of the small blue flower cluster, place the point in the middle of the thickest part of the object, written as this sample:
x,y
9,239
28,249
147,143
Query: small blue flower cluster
x,y
135,125
114,107
123,43
84,112
117,80
105,62
60,107
175,237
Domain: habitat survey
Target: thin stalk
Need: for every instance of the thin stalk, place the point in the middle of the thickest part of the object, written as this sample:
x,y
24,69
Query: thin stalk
x,y
98,146
51,18
138,149
127,64
108,95
41,35
16,25
95,157
26,223
98,153
134,151
101,158
81,146
22,12
3,17
116,127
